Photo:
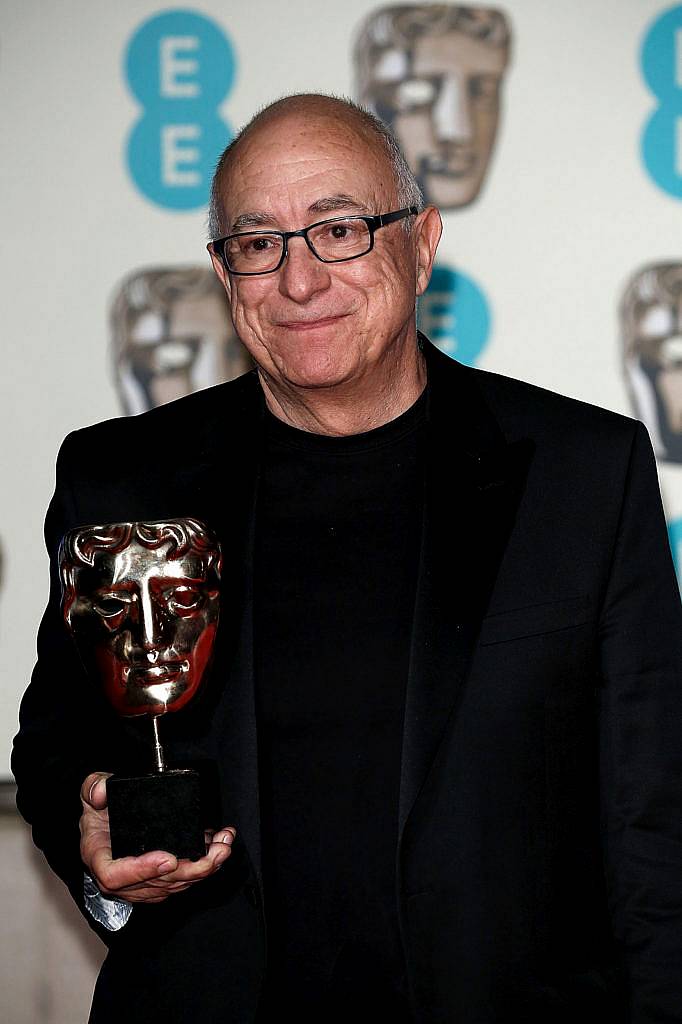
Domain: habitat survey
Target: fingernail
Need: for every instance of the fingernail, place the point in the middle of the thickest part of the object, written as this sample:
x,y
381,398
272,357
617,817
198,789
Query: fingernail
x,y
165,865
91,790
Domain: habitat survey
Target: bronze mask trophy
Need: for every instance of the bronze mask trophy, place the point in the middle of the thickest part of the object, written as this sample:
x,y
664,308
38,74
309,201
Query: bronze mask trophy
x,y
141,600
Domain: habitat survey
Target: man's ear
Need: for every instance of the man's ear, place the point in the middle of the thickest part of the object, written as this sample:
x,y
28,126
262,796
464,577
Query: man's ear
x,y
428,228
221,273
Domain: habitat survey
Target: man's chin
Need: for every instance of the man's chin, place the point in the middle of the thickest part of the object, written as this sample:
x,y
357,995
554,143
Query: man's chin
x,y
316,378
315,361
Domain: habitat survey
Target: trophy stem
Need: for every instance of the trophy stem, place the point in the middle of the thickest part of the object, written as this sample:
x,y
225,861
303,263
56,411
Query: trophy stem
x,y
158,749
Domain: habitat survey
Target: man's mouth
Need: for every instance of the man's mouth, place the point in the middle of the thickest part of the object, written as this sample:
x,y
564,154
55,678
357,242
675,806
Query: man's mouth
x,y
310,324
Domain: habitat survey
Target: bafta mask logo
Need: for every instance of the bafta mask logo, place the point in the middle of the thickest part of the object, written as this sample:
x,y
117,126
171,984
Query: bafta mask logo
x,y
433,72
142,601
171,335
651,319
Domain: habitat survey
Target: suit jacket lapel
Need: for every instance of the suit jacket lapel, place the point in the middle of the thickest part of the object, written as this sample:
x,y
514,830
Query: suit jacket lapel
x,y
222,483
473,482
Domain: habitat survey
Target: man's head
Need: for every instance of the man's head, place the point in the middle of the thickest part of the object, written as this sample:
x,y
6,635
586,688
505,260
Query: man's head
x,y
312,324
433,72
142,602
651,318
171,335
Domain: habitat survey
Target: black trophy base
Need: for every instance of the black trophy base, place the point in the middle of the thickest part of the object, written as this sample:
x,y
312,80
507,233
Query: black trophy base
x,y
156,812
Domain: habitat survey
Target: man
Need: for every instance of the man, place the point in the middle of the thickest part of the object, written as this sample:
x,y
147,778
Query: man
x,y
433,72
445,708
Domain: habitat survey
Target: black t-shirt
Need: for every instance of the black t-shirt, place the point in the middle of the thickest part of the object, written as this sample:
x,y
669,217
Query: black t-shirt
x,y
337,546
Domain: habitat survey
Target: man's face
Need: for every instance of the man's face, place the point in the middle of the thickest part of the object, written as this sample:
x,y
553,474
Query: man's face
x,y
442,101
149,621
176,348
313,324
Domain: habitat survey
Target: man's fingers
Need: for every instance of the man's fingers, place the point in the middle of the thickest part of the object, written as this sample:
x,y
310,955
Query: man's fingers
x,y
94,790
125,872
195,870
224,836
151,877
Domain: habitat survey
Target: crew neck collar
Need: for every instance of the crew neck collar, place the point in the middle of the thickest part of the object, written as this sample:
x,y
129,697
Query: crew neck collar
x,y
388,433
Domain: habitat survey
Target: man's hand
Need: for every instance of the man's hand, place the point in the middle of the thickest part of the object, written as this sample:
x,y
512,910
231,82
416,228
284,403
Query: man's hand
x,y
150,878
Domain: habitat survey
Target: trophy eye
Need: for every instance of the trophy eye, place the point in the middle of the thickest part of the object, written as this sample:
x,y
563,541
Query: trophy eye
x,y
183,600
108,606
112,610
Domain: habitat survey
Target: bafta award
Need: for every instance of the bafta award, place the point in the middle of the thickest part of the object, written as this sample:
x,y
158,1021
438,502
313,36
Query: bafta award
x,y
141,600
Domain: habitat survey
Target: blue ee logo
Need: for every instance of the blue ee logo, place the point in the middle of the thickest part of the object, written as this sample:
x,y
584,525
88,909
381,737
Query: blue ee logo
x,y
454,314
662,70
180,66
675,536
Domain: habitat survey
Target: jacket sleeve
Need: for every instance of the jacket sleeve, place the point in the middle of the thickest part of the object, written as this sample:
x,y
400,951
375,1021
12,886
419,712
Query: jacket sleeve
x,y
56,746
641,747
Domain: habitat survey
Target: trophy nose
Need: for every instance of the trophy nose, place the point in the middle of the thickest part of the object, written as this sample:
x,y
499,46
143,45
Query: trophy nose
x,y
150,625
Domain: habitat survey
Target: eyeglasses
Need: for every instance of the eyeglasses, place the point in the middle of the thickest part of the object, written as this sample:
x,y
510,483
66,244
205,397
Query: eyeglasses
x,y
331,241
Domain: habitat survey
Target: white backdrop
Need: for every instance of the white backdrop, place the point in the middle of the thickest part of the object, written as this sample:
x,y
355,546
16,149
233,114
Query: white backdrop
x,y
568,212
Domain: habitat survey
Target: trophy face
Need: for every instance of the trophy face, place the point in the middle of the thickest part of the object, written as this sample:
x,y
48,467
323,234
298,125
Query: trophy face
x,y
433,72
142,601
651,319
172,335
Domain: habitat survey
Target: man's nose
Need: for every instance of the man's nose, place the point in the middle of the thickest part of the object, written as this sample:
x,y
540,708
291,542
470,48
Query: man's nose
x,y
302,275
451,111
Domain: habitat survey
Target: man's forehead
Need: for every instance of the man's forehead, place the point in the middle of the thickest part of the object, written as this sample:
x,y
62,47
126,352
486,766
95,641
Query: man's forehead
x,y
320,168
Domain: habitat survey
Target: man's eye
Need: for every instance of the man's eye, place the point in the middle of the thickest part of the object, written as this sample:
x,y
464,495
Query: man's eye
x,y
260,244
346,231
252,247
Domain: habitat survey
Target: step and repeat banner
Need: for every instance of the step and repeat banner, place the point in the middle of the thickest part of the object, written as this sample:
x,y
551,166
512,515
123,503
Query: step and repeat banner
x,y
549,134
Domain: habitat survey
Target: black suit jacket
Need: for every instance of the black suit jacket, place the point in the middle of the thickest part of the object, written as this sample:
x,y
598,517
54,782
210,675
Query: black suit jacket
x,y
540,851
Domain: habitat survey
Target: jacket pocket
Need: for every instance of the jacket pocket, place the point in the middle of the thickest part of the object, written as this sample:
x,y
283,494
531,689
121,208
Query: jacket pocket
x,y
533,620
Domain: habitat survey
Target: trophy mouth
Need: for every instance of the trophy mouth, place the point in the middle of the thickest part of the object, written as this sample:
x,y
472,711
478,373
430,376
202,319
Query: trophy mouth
x,y
151,675
452,165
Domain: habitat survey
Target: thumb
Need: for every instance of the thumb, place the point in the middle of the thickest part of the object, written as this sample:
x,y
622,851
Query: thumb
x,y
116,875
94,790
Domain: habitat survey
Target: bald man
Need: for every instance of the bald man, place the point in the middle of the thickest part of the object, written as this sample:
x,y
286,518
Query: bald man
x,y
443,713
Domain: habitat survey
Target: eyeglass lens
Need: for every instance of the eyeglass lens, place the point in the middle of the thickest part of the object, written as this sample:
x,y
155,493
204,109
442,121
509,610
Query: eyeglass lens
x,y
254,252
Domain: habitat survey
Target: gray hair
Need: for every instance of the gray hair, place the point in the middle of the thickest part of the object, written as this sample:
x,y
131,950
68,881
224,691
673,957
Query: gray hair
x,y
407,189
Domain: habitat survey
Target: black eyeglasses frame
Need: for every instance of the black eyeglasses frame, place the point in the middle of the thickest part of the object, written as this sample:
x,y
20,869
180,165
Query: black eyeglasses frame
x,y
379,220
